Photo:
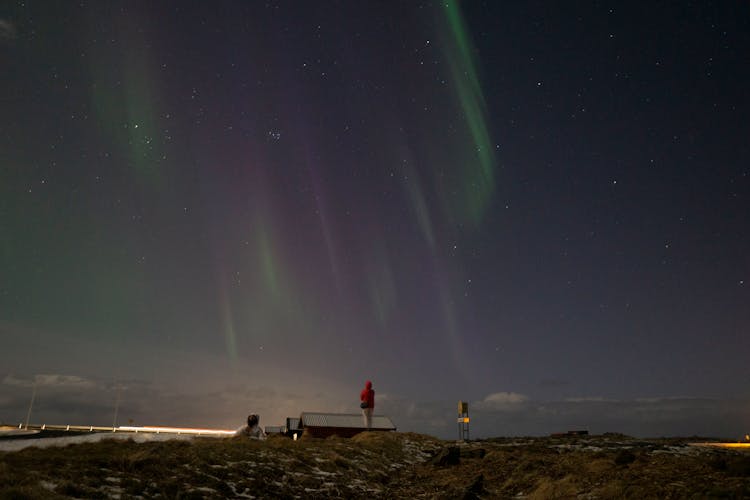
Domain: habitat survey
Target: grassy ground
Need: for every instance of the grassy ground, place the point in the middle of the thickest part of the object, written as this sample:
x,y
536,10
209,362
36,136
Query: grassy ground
x,y
381,465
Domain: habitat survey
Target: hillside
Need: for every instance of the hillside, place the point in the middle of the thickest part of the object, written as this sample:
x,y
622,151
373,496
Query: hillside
x,y
382,465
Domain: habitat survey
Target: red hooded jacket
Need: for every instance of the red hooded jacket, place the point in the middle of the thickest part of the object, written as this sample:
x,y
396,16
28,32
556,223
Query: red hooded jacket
x,y
368,395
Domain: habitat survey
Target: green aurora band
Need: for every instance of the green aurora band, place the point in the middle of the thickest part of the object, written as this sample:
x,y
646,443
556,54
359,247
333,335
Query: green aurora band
x,y
478,182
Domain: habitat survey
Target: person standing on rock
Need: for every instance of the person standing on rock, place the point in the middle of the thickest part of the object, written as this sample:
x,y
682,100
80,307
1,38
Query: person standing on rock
x,y
367,403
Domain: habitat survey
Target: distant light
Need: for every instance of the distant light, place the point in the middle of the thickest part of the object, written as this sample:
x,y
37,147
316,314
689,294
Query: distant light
x,y
723,445
176,430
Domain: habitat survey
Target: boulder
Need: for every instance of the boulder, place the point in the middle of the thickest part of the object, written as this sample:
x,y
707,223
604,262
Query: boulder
x,y
450,455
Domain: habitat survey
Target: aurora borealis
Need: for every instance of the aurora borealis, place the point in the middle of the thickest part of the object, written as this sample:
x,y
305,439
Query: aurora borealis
x,y
230,206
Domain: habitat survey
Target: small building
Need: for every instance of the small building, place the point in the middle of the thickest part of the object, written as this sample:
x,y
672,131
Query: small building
x,y
322,425
293,426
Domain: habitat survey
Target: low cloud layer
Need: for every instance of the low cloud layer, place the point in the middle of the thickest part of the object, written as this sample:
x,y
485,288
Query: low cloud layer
x,y
515,414
7,30
502,401
72,399
49,380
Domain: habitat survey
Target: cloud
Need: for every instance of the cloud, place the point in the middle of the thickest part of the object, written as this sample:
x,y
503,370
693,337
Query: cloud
x,y
642,417
17,382
7,30
221,398
594,399
509,413
191,402
49,380
502,401
55,380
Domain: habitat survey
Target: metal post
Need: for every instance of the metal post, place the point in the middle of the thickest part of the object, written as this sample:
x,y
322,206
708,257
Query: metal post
x,y
31,405
117,407
463,421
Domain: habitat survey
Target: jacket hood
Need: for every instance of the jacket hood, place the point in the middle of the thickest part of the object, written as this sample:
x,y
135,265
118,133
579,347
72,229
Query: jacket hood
x,y
368,385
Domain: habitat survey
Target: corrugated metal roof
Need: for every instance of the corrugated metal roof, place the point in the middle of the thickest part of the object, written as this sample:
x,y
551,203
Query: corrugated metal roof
x,y
348,420
292,424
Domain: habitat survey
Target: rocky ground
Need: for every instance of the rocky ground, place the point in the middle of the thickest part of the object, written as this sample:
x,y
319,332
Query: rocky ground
x,y
379,465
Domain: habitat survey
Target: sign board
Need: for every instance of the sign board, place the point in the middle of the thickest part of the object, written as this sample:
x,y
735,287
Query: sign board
x,y
463,407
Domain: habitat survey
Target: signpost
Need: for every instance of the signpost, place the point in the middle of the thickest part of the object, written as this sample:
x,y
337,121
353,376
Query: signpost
x,y
463,421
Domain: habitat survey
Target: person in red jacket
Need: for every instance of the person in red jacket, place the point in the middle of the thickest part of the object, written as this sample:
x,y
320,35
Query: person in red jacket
x,y
367,403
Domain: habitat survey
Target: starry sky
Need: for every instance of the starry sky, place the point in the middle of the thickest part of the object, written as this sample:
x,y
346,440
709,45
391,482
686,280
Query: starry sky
x,y
542,208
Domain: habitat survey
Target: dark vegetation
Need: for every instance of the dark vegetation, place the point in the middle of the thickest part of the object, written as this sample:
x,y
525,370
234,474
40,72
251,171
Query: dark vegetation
x,y
381,465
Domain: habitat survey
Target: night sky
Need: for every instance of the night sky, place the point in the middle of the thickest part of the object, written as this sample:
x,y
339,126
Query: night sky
x,y
542,208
